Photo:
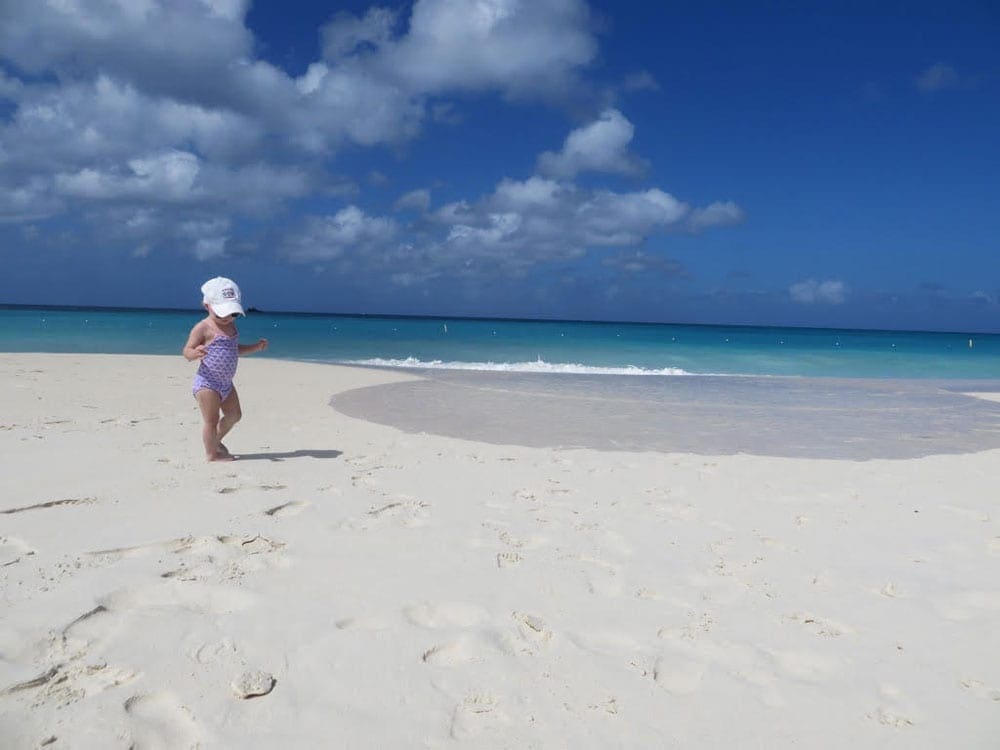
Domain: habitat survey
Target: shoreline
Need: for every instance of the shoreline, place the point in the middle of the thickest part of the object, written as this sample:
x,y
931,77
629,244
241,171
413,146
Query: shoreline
x,y
538,346
398,589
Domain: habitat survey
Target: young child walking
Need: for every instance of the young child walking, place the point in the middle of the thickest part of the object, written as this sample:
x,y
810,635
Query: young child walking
x,y
215,342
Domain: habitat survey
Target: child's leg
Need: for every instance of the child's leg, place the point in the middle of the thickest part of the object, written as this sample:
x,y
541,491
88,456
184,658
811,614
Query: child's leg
x,y
210,402
231,414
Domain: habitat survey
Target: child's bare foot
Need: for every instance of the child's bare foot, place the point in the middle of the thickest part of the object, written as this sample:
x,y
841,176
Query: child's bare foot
x,y
220,456
223,450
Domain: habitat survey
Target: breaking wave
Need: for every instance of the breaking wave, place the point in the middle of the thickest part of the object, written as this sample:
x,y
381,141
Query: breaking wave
x,y
538,365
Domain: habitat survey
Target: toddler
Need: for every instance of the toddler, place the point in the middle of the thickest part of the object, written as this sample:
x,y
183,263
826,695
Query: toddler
x,y
215,342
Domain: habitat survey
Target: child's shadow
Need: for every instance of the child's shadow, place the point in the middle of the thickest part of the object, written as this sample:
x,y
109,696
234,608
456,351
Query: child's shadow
x,y
301,453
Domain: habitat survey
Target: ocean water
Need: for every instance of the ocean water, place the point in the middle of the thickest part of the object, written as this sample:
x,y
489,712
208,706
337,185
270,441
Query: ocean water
x,y
525,346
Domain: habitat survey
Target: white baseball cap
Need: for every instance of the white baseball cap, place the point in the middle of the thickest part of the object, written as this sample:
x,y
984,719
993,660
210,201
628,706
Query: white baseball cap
x,y
223,296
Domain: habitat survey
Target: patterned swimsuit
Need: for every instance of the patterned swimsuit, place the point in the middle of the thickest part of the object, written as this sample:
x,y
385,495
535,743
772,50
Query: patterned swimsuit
x,y
218,366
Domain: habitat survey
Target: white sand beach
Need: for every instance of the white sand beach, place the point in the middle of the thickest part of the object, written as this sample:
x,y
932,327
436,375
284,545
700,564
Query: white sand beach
x,y
348,584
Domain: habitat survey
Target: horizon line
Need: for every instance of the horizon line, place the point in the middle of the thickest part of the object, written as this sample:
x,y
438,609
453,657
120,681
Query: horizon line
x,y
253,309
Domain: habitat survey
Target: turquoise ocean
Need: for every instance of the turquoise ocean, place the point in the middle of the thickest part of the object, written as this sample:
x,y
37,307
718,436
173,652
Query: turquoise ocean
x,y
653,350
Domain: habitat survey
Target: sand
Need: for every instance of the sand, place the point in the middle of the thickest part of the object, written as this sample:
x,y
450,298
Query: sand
x,y
791,417
350,584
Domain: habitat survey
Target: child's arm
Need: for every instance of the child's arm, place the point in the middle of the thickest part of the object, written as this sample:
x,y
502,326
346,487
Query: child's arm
x,y
195,346
260,346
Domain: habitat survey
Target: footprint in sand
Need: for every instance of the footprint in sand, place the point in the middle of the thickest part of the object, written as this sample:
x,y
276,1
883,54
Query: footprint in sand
x,y
80,634
687,662
363,479
892,591
895,710
508,559
531,628
217,558
466,648
366,470
405,511
212,653
160,722
600,577
389,509
51,504
69,683
698,624
116,554
512,541
478,713
292,508
456,614
980,690
678,675
252,545
821,626
606,643
239,556
13,550
609,706
509,539
369,623
73,676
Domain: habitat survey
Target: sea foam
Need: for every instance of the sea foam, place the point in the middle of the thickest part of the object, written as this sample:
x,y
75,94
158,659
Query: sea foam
x,y
538,365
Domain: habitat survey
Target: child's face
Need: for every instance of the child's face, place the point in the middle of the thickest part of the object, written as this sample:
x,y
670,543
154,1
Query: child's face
x,y
223,319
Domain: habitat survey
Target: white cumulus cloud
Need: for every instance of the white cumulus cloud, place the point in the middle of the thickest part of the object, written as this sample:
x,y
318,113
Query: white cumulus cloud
x,y
347,34
599,146
350,230
813,292
156,122
515,46
168,176
718,214
520,225
415,200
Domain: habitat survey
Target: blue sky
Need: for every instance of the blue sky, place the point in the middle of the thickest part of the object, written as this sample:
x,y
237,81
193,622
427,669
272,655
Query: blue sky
x,y
824,164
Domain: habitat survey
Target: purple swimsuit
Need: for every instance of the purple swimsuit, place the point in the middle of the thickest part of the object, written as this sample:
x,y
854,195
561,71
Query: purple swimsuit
x,y
218,366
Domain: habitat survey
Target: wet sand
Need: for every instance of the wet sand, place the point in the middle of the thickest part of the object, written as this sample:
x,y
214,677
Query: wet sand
x,y
709,415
